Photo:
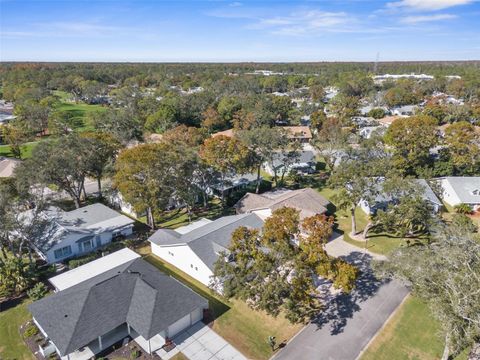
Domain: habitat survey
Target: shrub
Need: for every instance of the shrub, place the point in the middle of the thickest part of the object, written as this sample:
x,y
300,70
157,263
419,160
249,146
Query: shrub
x,y
134,353
463,222
30,331
72,264
38,291
462,209
376,113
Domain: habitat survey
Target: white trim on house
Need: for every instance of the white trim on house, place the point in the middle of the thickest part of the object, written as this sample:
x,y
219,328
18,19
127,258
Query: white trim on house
x,y
92,269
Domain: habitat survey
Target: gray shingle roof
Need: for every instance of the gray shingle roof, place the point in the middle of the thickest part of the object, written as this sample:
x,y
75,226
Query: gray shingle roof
x,y
91,219
135,292
465,188
208,239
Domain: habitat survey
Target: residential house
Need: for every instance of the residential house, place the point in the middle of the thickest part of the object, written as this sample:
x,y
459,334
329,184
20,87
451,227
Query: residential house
x,y
308,201
367,131
112,298
301,134
195,248
294,133
7,166
232,183
305,163
461,190
380,202
81,231
406,110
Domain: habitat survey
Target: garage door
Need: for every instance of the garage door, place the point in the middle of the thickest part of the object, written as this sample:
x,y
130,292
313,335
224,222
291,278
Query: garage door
x,y
197,315
180,325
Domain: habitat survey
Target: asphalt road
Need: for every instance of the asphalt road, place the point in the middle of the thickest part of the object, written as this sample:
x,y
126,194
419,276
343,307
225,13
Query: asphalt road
x,y
349,322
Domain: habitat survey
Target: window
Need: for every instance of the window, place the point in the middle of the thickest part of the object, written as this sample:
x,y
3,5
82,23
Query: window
x,y
85,246
98,240
62,252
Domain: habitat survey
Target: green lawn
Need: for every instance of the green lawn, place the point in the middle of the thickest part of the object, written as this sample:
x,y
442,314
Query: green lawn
x,y
244,328
379,243
412,333
12,345
79,111
179,217
26,150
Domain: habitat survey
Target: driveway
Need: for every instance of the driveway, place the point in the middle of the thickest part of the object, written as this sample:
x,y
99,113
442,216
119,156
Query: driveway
x,y
202,343
349,322
339,248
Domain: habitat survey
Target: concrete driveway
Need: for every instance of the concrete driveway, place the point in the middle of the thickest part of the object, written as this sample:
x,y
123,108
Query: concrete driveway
x,y
349,322
202,343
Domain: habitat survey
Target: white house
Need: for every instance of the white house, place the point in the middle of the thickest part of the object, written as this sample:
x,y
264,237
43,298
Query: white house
x,y
381,202
406,110
305,163
195,248
461,190
81,231
103,302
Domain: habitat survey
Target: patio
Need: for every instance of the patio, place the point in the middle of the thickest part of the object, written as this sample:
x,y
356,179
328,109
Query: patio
x,y
202,343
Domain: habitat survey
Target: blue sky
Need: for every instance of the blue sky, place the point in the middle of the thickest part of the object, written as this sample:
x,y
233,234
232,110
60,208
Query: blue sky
x,y
322,30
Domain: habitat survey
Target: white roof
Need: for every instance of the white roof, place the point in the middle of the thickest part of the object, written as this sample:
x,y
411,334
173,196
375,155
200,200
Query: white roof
x,y
194,225
92,269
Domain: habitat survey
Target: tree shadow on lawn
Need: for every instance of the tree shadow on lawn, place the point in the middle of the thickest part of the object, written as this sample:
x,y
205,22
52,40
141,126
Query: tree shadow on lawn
x,y
340,308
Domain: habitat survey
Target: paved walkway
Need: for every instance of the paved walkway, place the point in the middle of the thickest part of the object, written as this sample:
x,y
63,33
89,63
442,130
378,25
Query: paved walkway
x,y
202,343
338,247
348,322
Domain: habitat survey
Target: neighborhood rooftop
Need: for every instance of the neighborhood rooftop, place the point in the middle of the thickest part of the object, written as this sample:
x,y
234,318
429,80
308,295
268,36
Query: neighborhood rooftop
x,y
90,217
307,200
206,241
135,293
92,269
467,189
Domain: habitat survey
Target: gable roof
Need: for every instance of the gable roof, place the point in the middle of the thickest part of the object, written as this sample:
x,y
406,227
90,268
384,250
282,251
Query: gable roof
x,y
298,132
135,293
88,220
210,239
464,187
307,200
293,132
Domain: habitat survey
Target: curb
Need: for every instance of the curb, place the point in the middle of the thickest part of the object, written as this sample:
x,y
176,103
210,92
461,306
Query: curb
x,y
383,326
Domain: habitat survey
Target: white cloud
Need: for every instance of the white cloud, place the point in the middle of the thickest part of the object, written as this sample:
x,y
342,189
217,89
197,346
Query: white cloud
x,y
427,4
305,22
426,18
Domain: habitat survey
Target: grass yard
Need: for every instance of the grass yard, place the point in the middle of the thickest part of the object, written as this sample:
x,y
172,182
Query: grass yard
x,y
244,328
26,150
79,112
11,343
379,243
179,217
410,334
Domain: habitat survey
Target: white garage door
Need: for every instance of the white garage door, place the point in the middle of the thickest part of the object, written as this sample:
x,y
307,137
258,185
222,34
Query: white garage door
x,y
178,326
197,315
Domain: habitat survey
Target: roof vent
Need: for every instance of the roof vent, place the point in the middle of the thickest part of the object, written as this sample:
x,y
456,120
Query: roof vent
x,y
476,192
65,315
